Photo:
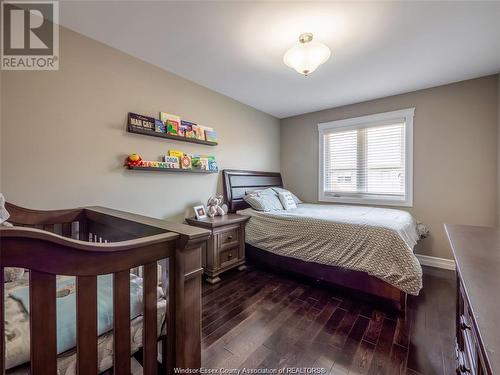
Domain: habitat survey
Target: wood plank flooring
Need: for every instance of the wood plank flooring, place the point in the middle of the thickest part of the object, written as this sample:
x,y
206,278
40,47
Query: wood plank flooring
x,y
258,319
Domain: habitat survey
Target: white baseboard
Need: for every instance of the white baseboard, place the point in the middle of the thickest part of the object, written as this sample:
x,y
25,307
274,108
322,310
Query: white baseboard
x,y
425,260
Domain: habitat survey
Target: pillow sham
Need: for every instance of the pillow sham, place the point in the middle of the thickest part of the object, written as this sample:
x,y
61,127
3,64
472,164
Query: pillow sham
x,y
281,190
263,200
286,200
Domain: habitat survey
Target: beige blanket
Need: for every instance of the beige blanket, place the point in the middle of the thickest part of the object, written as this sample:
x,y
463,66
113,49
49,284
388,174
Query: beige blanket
x,y
373,240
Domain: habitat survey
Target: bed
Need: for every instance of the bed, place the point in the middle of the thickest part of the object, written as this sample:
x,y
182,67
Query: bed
x,y
79,253
363,248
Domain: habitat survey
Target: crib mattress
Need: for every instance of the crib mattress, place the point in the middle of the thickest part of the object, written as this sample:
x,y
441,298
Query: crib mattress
x,y
17,349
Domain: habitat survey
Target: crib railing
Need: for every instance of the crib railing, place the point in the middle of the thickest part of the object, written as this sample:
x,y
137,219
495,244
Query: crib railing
x,y
94,241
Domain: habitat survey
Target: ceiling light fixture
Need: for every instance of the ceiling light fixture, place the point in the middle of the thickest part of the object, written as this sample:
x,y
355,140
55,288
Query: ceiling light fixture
x,y
307,55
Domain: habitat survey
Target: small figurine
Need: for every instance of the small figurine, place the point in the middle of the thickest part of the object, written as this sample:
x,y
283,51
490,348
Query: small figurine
x,y
133,160
186,162
215,206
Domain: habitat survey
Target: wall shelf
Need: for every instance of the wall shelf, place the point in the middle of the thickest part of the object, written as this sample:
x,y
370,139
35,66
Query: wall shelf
x,y
153,169
152,133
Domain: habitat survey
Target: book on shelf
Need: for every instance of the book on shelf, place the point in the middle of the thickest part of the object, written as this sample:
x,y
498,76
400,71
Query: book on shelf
x,y
172,123
140,122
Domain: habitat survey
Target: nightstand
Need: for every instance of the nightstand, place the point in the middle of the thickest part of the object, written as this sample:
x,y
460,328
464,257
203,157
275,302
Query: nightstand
x,y
226,246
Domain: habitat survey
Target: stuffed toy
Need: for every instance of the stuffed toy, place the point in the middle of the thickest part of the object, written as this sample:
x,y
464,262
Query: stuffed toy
x,y
10,273
215,206
133,160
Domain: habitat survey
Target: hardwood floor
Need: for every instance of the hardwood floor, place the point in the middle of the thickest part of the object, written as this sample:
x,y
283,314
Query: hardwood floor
x,y
257,319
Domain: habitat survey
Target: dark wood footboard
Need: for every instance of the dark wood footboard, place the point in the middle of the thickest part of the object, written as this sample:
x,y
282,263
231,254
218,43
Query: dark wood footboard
x,y
93,241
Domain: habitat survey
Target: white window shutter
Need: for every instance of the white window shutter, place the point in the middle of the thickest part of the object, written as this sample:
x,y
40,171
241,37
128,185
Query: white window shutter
x,y
367,159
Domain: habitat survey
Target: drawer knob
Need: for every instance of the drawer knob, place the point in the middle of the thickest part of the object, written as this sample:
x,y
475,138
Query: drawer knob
x,y
229,237
230,255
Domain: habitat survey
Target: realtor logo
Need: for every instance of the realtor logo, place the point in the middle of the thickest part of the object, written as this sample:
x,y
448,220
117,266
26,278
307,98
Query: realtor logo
x,y
30,35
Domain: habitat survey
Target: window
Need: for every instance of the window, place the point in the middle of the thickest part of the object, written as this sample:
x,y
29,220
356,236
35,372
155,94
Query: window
x,y
367,159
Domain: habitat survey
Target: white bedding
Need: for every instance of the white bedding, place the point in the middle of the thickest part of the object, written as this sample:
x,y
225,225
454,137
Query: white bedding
x,y
378,241
17,334
399,221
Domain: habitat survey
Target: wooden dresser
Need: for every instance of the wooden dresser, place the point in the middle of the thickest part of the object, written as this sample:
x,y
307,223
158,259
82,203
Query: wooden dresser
x,y
226,246
477,257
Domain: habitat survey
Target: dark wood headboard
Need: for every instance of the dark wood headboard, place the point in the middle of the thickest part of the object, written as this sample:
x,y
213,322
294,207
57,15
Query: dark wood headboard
x,y
237,183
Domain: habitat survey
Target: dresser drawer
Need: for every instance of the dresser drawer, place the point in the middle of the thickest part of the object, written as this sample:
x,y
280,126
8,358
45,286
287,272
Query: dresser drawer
x,y
470,355
471,360
228,256
228,237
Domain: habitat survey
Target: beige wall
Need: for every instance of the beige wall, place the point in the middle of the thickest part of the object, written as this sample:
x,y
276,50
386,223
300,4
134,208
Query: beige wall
x,y
64,139
455,154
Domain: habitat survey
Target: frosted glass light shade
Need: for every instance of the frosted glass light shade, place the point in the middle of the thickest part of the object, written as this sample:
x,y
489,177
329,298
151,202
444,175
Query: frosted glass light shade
x,y
307,55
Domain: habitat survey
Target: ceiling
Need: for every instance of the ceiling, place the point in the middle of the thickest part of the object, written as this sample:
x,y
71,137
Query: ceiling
x,y
236,48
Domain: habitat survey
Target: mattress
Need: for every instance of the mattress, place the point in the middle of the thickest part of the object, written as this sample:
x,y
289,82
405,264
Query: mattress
x,y
17,348
377,241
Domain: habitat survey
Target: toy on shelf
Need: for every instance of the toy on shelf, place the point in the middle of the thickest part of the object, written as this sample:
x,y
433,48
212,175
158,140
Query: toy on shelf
x,y
204,162
171,161
212,165
186,162
133,160
215,206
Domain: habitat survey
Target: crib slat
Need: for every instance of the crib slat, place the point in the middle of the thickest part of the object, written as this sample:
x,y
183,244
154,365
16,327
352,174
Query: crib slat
x,y
83,234
66,229
43,323
86,317
171,334
121,319
150,318
2,333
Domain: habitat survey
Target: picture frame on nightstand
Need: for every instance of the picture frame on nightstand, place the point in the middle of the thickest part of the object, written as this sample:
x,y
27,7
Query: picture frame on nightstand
x,y
200,212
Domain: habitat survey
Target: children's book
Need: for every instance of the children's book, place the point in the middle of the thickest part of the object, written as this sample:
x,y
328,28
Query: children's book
x,y
176,153
159,126
186,129
199,133
172,122
136,121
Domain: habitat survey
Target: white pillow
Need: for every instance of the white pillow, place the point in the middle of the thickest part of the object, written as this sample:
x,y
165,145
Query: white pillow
x,y
263,200
281,190
286,199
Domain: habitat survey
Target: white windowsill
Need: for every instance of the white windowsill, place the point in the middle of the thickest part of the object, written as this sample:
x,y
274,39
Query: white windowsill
x,y
367,201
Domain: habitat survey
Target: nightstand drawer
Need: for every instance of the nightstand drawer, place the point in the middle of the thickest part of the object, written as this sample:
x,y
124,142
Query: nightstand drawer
x,y
226,247
228,257
229,236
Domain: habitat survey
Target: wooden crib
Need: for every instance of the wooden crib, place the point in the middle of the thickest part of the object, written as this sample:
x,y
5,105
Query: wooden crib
x,y
92,241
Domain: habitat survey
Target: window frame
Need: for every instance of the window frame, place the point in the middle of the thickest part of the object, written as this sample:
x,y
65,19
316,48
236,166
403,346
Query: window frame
x,y
363,122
